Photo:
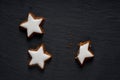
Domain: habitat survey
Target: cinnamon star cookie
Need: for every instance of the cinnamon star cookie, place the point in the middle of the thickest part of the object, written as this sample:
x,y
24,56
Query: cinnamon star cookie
x,y
84,52
39,56
32,25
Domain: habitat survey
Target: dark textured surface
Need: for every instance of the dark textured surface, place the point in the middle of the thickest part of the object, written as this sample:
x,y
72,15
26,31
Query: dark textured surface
x,y
67,23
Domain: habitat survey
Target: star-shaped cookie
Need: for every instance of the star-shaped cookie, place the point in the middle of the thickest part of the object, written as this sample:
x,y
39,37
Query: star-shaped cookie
x,y
39,56
84,52
32,25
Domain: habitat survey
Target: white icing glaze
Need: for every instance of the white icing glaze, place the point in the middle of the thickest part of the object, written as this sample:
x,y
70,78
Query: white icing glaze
x,y
32,25
38,57
84,52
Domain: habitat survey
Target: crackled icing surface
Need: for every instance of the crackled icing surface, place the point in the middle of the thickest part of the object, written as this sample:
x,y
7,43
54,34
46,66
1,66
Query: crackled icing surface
x,y
84,52
38,57
32,25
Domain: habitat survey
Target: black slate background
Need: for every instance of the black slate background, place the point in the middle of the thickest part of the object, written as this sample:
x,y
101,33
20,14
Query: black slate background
x,y
67,23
